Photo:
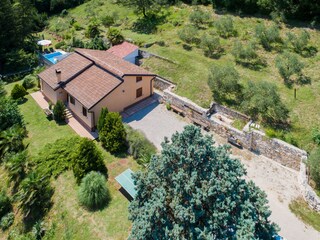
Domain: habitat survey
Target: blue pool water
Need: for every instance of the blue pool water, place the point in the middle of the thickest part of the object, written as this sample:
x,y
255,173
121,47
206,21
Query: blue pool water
x,y
52,56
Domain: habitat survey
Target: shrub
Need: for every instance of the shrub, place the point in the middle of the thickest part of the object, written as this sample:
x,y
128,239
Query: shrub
x,y
316,136
77,26
56,157
93,29
298,42
102,118
225,27
6,221
262,100
77,43
189,34
9,114
168,106
59,111
18,92
59,45
199,17
314,165
107,21
211,45
98,43
113,134
224,83
34,195
139,146
93,192
29,81
17,166
268,36
288,65
5,204
115,37
244,53
87,158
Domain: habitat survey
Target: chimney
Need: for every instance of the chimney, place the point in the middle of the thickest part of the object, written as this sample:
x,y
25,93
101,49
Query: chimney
x,y
58,73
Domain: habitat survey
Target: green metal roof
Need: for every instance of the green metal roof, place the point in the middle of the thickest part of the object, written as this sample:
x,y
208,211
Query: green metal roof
x,y
126,181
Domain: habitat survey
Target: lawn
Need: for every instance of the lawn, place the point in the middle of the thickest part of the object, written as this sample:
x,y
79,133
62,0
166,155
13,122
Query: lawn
x,y
189,69
67,219
300,208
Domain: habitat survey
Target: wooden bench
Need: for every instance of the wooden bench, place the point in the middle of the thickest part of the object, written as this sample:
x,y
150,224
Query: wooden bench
x,y
199,123
234,141
177,110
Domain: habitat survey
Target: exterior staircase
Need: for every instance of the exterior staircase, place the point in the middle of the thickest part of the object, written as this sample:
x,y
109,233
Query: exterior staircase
x,y
68,114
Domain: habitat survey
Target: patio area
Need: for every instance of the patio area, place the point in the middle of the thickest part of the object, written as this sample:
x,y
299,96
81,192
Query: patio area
x,y
71,120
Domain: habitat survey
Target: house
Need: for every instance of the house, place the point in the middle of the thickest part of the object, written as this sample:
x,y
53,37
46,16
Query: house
x,y
126,51
88,80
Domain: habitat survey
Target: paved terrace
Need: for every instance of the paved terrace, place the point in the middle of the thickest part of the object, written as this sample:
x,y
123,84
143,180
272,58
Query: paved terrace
x,y
72,121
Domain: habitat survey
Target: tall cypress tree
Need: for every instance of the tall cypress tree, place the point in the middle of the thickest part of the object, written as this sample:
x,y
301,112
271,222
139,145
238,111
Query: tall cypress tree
x,y
194,190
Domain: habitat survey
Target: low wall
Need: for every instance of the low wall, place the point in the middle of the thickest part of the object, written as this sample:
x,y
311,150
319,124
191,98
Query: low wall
x,y
162,84
256,141
215,107
145,54
280,151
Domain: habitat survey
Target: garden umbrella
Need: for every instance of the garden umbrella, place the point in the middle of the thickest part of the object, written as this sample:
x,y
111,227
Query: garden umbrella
x,y
44,42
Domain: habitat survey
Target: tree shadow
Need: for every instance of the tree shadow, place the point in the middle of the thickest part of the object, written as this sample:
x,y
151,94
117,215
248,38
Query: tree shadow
x,y
310,51
148,24
214,55
256,65
304,80
187,47
21,101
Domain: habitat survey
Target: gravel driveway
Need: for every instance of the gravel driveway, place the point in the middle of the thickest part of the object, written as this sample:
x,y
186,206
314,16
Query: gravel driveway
x,y
280,183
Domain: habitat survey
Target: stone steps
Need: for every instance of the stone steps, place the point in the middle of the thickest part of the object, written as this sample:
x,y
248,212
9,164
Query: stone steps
x,y
68,113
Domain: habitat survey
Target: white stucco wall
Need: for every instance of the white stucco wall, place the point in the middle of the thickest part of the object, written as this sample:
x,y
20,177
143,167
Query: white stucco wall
x,y
132,56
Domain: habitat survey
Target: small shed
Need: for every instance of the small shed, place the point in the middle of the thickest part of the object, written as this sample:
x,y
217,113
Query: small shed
x,y
126,182
127,51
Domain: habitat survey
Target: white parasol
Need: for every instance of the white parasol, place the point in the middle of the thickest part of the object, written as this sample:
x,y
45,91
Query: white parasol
x,y
44,42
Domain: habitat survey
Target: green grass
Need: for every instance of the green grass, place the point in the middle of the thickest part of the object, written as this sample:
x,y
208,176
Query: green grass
x,y
67,219
190,68
302,210
239,124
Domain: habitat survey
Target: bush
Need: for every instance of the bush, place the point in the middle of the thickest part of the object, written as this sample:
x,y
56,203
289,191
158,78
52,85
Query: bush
x,y
56,157
189,34
77,26
59,111
316,136
314,165
59,45
18,92
5,204
93,29
17,166
139,146
224,83
87,158
107,21
199,17
268,37
225,27
299,43
9,114
115,37
102,118
6,221
288,65
34,195
77,43
93,192
98,43
29,81
113,134
244,53
211,46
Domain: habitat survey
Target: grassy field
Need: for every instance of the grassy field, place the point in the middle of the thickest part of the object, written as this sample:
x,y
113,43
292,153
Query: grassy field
x,y
300,208
189,69
67,219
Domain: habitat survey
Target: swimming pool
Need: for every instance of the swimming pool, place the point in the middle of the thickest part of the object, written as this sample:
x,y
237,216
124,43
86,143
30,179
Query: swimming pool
x,y
52,57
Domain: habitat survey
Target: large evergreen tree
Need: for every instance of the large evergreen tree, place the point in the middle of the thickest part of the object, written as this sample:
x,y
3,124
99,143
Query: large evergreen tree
x,y
194,190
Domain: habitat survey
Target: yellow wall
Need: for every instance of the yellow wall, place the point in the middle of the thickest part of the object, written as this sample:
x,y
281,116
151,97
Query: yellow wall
x,y
48,92
124,95
77,110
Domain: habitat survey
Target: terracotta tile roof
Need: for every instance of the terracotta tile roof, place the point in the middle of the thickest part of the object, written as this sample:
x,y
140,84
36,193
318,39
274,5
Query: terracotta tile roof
x,y
112,63
92,85
122,50
70,66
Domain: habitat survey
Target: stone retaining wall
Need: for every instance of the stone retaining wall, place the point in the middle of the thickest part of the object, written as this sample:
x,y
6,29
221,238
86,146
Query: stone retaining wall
x,y
215,107
162,84
280,151
253,140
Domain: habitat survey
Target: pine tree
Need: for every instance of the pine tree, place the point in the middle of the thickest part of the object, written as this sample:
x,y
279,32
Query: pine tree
x,y
102,118
194,190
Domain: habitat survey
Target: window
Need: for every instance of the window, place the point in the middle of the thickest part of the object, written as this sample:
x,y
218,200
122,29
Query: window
x,y
138,79
84,111
139,92
72,100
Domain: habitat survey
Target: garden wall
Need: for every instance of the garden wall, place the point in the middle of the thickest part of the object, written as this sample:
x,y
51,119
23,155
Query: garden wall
x,y
215,107
256,141
162,83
